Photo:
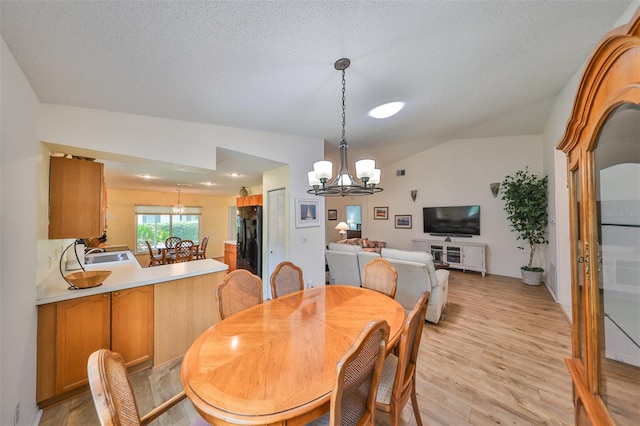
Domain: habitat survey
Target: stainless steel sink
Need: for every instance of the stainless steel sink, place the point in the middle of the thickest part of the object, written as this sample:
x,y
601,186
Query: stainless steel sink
x,y
106,257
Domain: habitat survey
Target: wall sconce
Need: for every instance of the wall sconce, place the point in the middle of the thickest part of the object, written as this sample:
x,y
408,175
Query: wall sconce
x,y
414,194
495,188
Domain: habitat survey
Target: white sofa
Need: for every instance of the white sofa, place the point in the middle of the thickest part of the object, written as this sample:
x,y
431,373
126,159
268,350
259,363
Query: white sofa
x,y
416,273
342,260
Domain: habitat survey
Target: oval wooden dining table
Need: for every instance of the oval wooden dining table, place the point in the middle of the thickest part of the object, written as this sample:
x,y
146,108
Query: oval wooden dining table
x,y
275,363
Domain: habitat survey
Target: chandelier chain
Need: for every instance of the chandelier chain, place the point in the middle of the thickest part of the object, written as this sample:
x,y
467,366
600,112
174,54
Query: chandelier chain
x,y
344,115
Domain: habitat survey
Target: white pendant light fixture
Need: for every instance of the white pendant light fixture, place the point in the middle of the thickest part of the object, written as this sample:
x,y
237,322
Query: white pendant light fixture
x,y
178,208
367,176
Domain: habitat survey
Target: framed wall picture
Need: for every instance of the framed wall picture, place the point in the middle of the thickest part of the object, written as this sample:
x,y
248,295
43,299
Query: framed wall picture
x,y
403,221
381,213
332,214
306,213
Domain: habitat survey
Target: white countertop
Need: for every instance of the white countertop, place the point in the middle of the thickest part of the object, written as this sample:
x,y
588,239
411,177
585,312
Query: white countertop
x,y
232,242
124,274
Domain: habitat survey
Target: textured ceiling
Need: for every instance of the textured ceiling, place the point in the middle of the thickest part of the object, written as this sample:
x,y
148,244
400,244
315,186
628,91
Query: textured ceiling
x,y
464,68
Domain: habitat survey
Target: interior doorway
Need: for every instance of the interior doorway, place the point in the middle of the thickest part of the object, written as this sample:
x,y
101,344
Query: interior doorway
x,y
353,217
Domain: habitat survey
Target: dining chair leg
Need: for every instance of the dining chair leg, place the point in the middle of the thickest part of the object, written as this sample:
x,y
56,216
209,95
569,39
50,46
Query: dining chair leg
x,y
414,404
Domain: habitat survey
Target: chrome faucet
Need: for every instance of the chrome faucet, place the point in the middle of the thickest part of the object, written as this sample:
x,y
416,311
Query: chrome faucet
x,y
96,249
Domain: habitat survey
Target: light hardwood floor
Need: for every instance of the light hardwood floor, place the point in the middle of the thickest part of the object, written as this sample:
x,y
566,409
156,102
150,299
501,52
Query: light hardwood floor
x,y
496,357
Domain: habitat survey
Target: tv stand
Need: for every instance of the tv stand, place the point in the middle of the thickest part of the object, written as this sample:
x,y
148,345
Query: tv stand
x,y
459,255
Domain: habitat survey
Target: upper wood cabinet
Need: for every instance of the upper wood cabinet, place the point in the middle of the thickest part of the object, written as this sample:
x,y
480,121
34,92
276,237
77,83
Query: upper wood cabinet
x,y
230,252
249,200
602,143
77,198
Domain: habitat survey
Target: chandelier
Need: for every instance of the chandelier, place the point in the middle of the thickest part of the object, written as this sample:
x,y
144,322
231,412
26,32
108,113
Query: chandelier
x,y
178,208
367,176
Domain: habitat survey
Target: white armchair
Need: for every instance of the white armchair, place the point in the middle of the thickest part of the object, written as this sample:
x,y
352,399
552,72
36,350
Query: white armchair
x,y
416,273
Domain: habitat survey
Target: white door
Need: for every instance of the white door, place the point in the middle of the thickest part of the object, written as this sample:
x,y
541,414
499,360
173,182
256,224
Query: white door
x,y
277,233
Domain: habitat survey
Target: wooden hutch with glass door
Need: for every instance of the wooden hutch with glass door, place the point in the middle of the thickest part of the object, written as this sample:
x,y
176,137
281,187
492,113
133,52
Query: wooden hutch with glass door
x,y
602,143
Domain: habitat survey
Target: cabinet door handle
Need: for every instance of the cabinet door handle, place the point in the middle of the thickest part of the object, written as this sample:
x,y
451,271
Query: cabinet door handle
x,y
117,293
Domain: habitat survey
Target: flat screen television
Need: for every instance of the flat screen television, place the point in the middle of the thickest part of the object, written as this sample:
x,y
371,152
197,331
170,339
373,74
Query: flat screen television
x,y
452,220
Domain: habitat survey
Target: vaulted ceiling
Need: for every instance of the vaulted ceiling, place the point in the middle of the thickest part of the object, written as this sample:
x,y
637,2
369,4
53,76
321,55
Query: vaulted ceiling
x,y
464,68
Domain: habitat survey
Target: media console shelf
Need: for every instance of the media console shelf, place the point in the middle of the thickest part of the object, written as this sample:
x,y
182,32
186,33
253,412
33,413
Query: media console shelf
x,y
460,255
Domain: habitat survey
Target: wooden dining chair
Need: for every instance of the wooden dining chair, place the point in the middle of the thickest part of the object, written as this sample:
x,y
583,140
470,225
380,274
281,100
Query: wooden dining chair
x,y
171,242
113,395
201,253
238,291
183,251
380,276
155,258
398,381
286,278
353,397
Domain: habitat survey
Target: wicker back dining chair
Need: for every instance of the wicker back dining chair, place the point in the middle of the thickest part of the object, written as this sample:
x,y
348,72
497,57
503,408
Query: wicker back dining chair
x,y
183,251
353,398
398,381
202,249
113,395
155,258
171,242
239,290
380,276
286,278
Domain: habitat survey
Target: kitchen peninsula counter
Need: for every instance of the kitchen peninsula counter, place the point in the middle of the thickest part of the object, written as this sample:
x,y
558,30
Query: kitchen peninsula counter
x,y
149,315
124,275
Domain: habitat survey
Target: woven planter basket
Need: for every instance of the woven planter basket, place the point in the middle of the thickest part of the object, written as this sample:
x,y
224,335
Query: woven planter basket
x,y
531,277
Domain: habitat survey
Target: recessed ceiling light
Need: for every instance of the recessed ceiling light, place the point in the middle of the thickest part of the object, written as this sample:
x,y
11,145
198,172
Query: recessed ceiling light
x,y
146,176
208,183
386,110
234,174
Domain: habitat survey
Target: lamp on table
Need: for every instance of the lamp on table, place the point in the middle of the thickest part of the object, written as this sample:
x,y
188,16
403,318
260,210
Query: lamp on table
x,y
342,227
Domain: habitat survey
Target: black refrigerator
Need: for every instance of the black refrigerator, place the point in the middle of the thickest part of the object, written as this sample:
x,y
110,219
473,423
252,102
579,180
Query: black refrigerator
x,y
249,250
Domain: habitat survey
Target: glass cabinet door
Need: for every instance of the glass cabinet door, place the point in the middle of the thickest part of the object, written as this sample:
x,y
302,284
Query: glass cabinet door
x,y
579,267
616,298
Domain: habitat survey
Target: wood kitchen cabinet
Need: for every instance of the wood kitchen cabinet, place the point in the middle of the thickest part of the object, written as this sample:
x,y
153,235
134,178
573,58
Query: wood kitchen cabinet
x,y
230,256
249,200
132,324
69,331
77,198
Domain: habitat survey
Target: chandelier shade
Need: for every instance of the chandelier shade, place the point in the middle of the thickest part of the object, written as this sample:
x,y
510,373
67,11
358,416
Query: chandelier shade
x,y
344,183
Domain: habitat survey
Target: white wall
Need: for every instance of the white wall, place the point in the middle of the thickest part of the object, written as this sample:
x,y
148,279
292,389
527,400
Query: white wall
x,y
556,164
457,172
19,160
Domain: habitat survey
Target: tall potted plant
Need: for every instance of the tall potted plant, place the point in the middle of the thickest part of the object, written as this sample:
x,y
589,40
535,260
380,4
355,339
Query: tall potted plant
x,y
525,197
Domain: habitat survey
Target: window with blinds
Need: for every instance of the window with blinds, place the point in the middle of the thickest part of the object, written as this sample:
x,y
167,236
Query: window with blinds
x,y
157,223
